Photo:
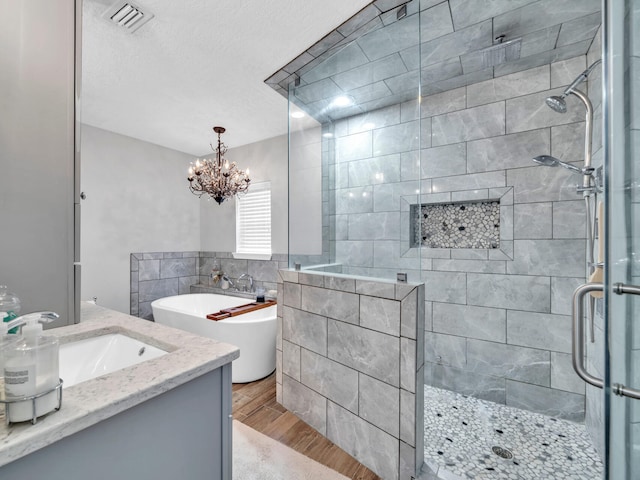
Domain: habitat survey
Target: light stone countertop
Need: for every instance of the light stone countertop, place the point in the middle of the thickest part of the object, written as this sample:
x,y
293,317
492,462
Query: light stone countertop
x,y
92,401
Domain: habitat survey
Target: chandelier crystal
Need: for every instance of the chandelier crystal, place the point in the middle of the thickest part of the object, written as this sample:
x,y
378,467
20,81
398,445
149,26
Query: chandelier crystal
x,y
217,177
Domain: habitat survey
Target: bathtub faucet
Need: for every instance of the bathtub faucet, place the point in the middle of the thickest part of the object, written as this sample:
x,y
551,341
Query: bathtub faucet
x,y
242,282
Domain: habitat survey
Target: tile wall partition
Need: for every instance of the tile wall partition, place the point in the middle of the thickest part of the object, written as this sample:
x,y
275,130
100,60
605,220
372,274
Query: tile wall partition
x,y
350,363
161,274
497,321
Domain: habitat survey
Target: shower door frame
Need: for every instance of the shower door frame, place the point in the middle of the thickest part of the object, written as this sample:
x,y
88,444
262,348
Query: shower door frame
x,y
622,232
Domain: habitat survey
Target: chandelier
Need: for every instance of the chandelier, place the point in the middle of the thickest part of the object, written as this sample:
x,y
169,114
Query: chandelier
x,y
217,177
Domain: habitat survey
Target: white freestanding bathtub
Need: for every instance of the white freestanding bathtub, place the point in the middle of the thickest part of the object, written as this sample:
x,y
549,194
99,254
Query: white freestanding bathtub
x,y
254,332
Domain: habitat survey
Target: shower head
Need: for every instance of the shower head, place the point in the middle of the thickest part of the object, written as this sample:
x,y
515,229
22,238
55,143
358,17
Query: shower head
x,y
557,104
549,161
501,52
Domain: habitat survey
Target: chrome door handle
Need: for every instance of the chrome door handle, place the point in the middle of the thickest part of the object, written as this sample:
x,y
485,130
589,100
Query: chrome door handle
x,y
618,388
577,344
578,336
621,289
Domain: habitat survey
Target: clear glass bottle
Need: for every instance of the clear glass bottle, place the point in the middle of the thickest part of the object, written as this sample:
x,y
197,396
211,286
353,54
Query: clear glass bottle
x,y
9,305
6,341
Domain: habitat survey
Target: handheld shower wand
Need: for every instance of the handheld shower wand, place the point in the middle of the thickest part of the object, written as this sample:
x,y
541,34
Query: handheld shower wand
x,y
558,104
549,161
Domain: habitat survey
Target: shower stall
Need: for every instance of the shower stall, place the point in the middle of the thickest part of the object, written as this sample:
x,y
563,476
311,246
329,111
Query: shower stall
x,y
412,132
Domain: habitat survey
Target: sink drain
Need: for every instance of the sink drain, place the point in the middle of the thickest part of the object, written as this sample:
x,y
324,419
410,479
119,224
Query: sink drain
x,y
502,452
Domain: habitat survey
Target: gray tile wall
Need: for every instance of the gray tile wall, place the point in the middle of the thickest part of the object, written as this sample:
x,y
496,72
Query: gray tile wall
x,y
365,20
162,274
350,361
437,44
498,325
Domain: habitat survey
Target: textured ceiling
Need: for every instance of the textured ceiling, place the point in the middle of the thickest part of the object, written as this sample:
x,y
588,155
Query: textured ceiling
x,y
197,64
437,45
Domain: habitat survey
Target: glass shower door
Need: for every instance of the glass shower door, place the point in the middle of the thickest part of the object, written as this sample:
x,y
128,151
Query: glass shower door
x,y
622,262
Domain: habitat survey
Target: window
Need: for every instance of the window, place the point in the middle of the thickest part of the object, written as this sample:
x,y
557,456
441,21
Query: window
x,y
253,223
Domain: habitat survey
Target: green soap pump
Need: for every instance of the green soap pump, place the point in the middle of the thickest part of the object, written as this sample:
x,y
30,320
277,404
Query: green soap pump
x,y
9,306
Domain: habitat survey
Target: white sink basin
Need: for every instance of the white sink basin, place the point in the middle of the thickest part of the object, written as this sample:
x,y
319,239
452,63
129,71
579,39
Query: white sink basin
x,y
96,356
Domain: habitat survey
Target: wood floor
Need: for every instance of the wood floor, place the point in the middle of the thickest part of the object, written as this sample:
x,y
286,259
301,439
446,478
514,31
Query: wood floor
x,y
254,404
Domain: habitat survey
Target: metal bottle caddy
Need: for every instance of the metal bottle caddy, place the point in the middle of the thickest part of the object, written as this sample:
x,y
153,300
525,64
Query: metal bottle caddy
x,y
32,399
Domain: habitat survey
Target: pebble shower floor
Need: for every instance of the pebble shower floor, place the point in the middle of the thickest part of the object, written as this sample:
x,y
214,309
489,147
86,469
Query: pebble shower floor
x,y
476,439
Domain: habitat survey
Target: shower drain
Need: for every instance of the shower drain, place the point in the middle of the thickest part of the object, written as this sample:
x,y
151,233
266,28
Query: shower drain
x,y
502,452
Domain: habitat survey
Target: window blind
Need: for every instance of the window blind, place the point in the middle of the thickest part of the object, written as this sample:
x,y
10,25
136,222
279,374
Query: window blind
x,y
253,220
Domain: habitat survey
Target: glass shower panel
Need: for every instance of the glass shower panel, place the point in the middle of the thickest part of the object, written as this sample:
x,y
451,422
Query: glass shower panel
x,y
307,189
354,153
622,263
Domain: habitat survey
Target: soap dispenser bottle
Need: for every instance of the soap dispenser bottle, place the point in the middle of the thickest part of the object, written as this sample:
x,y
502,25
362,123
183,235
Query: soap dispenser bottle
x,y
32,368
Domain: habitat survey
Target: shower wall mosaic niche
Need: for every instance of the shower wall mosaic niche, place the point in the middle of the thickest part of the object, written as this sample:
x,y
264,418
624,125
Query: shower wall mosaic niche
x,y
457,225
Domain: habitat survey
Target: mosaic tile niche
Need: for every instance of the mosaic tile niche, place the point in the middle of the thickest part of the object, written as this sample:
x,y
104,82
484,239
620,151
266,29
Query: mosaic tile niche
x,y
457,225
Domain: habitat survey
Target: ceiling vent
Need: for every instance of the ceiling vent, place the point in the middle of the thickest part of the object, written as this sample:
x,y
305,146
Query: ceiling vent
x,y
127,15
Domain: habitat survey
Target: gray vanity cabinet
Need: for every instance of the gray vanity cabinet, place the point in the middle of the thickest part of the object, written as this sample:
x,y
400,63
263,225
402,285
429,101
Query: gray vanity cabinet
x,y
184,433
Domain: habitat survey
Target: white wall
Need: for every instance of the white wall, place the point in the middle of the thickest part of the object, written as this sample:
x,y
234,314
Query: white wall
x,y
137,201
267,161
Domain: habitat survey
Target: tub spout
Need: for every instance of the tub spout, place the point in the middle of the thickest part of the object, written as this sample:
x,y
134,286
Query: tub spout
x,y
245,281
